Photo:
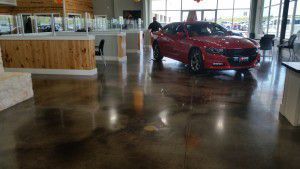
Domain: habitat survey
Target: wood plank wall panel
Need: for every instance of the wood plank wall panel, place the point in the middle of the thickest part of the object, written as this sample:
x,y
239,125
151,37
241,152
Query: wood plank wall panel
x,y
49,6
79,6
33,6
49,54
37,6
5,9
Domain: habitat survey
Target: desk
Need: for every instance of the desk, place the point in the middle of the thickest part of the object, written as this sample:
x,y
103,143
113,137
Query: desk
x,y
114,47
290,107
134,41
47,54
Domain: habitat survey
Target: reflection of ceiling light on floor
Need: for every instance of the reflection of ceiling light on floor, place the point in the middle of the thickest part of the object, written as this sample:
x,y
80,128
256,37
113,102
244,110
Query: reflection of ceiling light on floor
x,y
113,116
220,125
164,117
222,106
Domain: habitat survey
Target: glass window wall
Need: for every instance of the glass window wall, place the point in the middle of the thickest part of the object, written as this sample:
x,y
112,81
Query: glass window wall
x,y
174,5
289,26
272,14
227,4
193,5
6,24
297,19
232,14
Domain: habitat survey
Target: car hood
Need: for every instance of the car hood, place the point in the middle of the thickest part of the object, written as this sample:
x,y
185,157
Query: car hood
x,y
228,42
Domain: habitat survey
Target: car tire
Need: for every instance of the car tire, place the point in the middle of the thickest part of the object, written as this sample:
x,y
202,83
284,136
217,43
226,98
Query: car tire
x,y
156,52
196,61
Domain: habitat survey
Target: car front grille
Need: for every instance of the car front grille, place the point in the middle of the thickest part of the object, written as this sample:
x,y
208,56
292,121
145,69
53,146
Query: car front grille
x,y
234,55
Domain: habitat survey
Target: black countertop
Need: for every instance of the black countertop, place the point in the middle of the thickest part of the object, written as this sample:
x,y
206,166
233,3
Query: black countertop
x,y
295,66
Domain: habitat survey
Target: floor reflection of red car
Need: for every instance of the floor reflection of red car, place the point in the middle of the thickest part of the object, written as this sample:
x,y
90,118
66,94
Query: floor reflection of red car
x,y
205,45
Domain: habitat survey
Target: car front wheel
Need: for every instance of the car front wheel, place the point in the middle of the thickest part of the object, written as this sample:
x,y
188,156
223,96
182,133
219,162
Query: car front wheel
x,y
196,61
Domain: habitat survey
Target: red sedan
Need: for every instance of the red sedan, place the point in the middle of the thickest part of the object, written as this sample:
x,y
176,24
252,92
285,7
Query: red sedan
x,y
205,45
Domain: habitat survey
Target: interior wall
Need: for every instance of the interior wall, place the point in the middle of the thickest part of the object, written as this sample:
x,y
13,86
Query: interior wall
x,y
36,6
8,2
104,7
48,6
79,6
121,5
115,8
5,9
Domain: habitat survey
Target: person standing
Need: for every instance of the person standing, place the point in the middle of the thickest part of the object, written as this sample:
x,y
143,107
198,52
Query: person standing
x,y
154,26
28,26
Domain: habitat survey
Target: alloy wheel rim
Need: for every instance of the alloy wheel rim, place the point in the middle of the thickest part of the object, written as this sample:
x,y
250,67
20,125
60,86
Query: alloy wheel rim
x,y
195,63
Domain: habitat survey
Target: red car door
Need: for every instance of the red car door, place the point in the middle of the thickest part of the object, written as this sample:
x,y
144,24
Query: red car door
x,y
172,40
179,44
164,41
167,40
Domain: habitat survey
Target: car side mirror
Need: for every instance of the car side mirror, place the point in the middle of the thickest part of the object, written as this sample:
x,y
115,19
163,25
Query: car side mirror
x,y
180,35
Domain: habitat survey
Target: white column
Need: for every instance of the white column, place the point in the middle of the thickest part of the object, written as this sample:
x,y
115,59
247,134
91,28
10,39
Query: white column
x,y
259,17
86,23
52,24
64,16
36,24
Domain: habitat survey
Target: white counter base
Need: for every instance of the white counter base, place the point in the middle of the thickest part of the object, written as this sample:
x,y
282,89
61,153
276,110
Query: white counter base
x,y
55,71
133,51
290,107
112,58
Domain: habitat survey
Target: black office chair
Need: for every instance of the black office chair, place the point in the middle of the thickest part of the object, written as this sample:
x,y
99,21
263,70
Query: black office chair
x,y
100,50
267,43
290,45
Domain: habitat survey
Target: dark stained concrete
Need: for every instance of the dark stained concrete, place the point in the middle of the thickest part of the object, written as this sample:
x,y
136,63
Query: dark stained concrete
x,y
149,115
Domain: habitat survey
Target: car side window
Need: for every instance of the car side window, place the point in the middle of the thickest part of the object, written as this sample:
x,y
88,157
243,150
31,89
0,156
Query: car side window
x,y
170,29
179,28
199,30
165,29
219,28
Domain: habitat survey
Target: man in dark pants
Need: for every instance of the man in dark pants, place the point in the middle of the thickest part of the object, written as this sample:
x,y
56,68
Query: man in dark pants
x,y
154,26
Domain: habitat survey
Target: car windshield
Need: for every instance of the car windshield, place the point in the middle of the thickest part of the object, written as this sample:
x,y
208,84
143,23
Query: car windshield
x,y
205,29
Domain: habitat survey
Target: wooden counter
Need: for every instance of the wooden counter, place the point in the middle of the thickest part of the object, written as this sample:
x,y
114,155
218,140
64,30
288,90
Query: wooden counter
x,y
147,39
114,47
134,38
134,41
49,54
290,107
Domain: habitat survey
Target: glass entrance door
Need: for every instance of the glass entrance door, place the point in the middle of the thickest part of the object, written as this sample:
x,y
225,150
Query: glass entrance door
x,y
202,15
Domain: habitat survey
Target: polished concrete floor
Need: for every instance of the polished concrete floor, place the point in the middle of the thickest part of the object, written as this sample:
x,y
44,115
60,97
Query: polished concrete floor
x,y
149,115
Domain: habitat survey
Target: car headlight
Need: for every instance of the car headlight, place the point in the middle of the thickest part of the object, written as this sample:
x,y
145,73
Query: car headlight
x,y
215,51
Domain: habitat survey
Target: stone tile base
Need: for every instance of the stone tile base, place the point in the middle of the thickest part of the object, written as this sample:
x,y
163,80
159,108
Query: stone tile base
x,y
14,88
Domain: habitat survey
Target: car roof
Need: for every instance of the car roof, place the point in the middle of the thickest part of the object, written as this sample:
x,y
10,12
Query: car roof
x,y
192,22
